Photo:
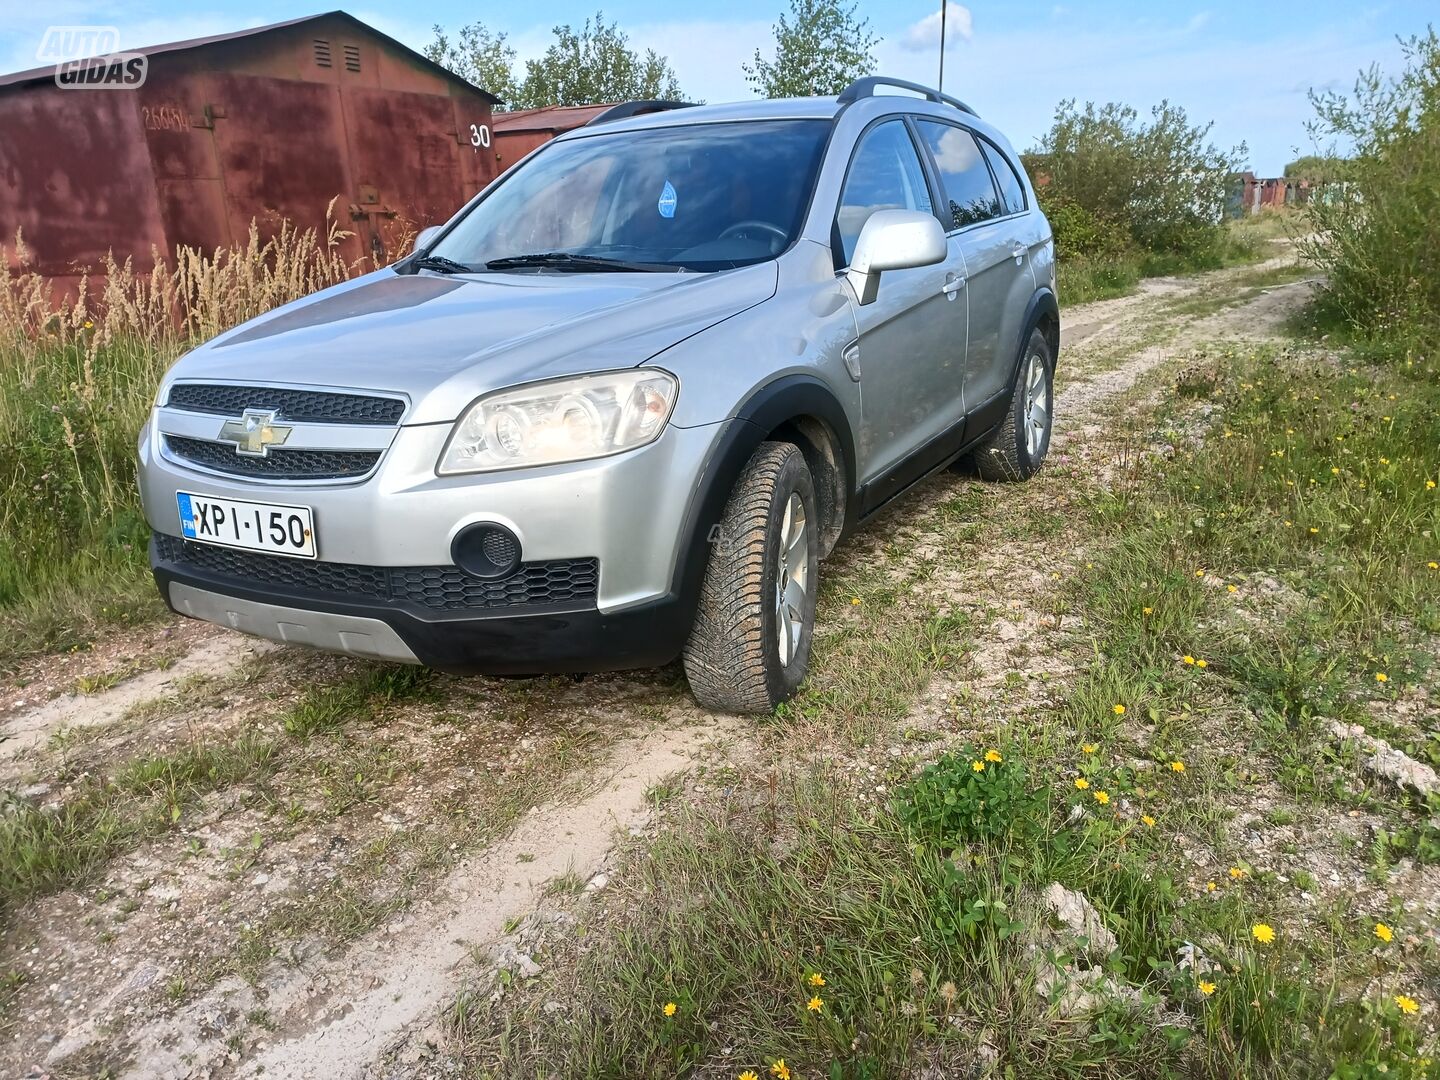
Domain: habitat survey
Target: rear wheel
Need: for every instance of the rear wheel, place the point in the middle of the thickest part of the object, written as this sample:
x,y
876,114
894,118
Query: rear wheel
x,y
1018,446
750,646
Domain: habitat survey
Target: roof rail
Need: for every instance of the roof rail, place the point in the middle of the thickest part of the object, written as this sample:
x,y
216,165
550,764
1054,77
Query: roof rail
x,y
863,88
636,108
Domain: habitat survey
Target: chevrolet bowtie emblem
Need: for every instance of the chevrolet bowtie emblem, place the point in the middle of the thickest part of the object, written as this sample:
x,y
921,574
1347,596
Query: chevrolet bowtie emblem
x,y
254,433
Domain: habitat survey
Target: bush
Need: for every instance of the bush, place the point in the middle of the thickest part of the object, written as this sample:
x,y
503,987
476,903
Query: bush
x,y
1113,181
1377,223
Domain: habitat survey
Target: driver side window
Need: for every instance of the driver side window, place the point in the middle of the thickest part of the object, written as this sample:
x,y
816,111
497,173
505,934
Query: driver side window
x,y
885,174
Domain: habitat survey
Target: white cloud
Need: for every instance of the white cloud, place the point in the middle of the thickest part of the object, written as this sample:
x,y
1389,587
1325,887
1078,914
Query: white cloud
x,y
925,34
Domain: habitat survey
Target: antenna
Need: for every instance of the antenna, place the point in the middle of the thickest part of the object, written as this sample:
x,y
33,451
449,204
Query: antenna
x,y
944,4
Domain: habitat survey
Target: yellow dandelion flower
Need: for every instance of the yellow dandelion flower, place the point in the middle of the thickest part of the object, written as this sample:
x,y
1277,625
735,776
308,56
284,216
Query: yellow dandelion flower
x,y
1408,1005
1384,461
1263,933
854,601
1118,710
993,756
1147,611
669,1008
779,1069
1199,573
1102,797
1433,565
816,979
1188,659
748,1074
1089,748
1232,588
1380,676
1210,886
815,1004
1177,766
1207,988
978,766
1313,529
1429,485
1335,470
1384,933
1202,663
1237,872
1148,820
1081,783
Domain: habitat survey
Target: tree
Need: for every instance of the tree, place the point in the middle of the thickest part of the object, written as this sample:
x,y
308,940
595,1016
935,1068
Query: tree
x,y
592,65
820,49
479,55
1162,185
596,64
1314,167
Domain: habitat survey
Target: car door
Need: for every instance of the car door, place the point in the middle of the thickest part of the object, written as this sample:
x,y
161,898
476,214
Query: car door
x,y
999,279
911,341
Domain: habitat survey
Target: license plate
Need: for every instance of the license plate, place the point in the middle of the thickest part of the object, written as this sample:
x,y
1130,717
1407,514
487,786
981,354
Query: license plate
x,y
281,530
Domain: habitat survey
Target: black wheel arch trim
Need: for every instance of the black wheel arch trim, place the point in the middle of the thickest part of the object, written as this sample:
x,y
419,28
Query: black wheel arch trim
x,y
765,409
1042,304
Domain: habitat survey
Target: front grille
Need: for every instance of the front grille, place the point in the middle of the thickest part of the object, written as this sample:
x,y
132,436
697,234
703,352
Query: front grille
x,y
279,464
297,406
439,588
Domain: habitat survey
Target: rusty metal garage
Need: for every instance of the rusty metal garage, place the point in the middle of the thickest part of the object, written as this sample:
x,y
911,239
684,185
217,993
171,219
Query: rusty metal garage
x,y
264,124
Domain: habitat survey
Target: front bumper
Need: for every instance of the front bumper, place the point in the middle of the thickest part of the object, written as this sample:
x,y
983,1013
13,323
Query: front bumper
x,y
383,541
628,511
536,640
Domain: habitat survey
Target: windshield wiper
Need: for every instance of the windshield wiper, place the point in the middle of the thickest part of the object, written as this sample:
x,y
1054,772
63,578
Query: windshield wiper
x,y
565,260
440,264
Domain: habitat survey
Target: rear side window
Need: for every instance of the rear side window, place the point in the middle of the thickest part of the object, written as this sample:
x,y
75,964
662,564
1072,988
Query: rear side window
x,y
969,193
885,174
1012,191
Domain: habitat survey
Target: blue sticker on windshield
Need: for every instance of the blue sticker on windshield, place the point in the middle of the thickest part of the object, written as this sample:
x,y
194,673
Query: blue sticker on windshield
x,y
666,205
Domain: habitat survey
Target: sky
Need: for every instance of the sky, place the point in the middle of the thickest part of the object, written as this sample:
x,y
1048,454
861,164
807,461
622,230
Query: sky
x,y
1246,67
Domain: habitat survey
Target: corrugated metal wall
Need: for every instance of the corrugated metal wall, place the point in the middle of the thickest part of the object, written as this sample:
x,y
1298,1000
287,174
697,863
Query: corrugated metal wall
x,y
267,126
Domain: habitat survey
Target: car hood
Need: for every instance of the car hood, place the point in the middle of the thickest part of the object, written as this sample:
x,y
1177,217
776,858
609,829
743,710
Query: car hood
x,y
444,340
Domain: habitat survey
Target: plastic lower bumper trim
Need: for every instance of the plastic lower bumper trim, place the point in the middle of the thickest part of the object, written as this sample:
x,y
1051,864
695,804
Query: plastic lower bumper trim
x,y
505,643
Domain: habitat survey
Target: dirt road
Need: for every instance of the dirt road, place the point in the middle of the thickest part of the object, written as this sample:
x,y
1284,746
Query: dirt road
x,y
290,863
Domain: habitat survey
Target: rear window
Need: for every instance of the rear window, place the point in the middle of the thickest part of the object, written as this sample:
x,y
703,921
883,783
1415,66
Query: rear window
x,y
1012,191
970,194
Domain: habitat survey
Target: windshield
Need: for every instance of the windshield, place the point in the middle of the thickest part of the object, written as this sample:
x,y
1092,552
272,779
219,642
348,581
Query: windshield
x,y
696,197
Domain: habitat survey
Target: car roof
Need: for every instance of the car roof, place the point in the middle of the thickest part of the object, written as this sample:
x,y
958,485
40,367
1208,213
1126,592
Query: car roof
x,y
807,108
811,108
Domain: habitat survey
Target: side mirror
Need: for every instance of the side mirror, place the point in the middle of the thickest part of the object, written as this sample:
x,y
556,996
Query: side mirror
x,y
893,240
424,236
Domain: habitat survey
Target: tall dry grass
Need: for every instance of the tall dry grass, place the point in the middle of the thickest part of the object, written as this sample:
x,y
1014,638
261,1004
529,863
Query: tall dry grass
x,y
77,381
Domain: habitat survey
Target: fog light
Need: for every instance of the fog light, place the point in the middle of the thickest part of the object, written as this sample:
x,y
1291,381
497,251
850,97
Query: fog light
x,y
486,551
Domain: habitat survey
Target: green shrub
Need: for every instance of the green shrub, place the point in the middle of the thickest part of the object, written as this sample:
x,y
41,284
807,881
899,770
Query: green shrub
x,y
1113,181
1377,224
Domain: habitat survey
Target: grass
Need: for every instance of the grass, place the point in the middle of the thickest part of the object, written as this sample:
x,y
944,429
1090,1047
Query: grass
x,y
920,908
46,849
77,380
1083,279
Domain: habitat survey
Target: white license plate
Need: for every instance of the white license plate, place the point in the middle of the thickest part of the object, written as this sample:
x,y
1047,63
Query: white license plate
x,y
283,530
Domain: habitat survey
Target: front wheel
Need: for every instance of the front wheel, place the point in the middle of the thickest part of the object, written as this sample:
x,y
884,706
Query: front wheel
x,y
1018,446
750,646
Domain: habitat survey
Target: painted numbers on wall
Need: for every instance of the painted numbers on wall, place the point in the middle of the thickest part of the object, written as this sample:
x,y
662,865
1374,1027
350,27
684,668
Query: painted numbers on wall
x,y
480,135
165,118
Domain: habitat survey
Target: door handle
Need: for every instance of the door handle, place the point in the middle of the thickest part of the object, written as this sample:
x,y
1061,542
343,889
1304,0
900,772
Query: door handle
x,y
952,286
1018,252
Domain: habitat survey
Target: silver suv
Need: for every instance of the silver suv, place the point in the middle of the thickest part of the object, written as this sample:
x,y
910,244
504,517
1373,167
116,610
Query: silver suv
x,y
619,407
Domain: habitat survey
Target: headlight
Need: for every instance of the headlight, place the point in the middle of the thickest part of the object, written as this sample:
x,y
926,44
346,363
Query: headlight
x,y
566,420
